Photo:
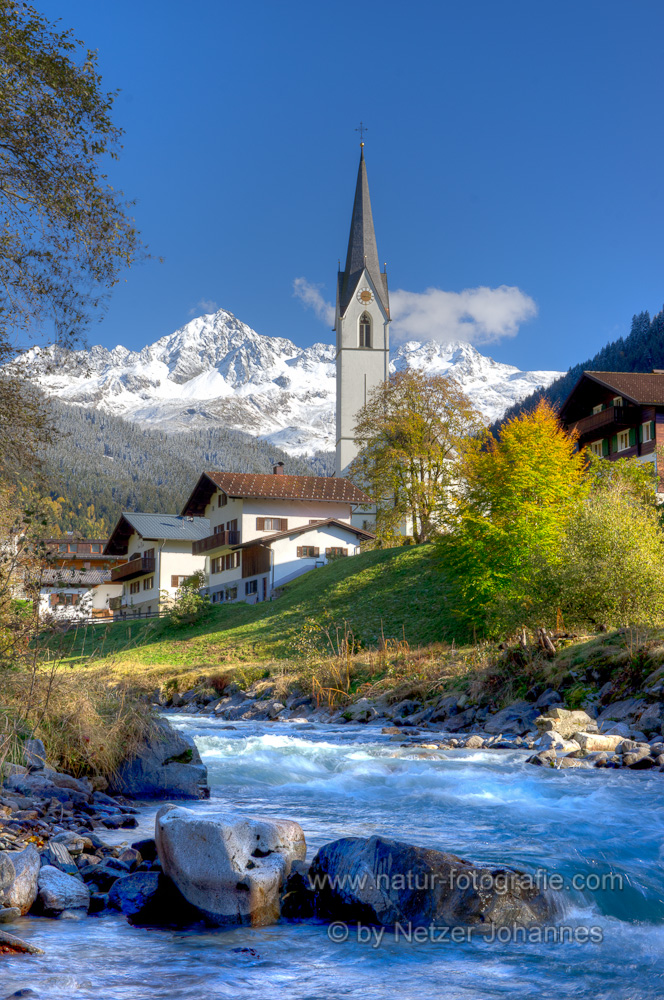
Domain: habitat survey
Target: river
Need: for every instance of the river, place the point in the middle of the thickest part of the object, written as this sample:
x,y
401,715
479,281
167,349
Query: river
x,y
602,830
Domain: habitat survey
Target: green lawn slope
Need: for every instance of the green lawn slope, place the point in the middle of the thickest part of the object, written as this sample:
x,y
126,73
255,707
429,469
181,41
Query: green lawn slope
x,y
394,592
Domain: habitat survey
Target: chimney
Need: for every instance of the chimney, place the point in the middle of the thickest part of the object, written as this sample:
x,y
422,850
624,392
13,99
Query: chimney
x,y
278,469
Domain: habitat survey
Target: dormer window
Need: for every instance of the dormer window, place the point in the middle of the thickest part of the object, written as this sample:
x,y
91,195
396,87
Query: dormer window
x,y
365,330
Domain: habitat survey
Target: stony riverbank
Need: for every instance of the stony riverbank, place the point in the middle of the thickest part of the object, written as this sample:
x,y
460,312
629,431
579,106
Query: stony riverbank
x,y
627,732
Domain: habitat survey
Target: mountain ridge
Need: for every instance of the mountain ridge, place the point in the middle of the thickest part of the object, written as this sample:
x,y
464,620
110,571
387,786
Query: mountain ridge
x,y
216,369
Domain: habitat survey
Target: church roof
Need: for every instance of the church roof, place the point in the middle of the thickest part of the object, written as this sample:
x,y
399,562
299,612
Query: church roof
x,y
362,249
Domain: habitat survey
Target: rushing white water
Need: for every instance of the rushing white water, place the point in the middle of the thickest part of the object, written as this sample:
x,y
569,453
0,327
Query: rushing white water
x,y
335,781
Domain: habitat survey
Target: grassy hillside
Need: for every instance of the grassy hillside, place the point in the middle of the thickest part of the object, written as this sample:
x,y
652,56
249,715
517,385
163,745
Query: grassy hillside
x,y
396,592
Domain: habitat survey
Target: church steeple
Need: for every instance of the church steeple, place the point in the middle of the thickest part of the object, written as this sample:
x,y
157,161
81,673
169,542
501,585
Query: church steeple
x,y
361,322
362,249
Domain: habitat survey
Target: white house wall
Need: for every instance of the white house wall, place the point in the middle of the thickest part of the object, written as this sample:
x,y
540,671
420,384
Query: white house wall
x,y
172,558
288,565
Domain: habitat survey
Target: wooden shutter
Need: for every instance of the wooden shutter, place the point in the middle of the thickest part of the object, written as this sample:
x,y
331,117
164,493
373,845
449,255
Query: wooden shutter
x,y
299,551
652,430
614,444
174,581
328,553
632,436
345,551
283,524
260,524
605,448
316,552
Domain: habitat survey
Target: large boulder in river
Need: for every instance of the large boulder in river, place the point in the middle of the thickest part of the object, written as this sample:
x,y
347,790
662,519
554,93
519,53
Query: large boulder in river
x,y
387,882
62,895
151,899
230,867
21,892
516,719
167,766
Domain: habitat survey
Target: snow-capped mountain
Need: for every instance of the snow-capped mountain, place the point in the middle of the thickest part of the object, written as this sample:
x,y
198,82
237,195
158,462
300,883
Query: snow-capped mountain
x,y
217,369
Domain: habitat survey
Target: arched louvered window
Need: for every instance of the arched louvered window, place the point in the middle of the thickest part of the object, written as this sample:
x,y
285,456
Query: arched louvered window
x,y
365,330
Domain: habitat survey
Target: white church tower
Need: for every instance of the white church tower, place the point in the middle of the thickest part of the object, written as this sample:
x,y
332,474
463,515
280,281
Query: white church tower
x,y
361,322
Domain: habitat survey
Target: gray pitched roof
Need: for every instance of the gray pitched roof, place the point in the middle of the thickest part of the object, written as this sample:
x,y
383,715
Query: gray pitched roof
x,y
362,249
155,527
170,526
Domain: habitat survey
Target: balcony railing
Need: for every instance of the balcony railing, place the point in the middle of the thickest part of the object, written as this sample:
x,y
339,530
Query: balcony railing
x,y
217,541
613,418
135,567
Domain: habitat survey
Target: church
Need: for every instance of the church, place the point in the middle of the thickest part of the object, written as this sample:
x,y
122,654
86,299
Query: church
x,y
362,322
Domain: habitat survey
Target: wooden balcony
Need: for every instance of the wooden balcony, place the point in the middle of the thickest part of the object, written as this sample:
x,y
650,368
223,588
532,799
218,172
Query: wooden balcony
x,y
135,567
608,421
218,541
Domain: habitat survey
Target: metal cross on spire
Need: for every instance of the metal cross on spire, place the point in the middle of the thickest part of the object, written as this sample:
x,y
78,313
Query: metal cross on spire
x,y
362,129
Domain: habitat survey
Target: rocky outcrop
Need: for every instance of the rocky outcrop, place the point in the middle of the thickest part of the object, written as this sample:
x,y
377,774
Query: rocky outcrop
x,y
230,867
168,766
21,892
386,882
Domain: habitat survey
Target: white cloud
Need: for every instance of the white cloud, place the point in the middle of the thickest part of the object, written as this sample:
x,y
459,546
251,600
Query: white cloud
x,y
476,315
312,298
203,307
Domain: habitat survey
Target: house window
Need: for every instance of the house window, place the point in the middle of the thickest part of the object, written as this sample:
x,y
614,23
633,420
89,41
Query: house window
x,y
148,583
177,581
95,548
231,593
335,552
231,525
62,547
648,429
623,440
218,597
222,500
365,330
232,560
596,448
135,587
307,552
70,598
251,587
148,554
617,401
217,565
271,524
219,529
598,408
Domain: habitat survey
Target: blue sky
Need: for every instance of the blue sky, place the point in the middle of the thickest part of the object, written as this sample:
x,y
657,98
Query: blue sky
x,y
512,144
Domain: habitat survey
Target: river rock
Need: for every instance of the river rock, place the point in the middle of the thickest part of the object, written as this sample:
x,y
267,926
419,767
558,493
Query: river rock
x,y
9,914
564,721
547,699
474,742
10,945
168,766
231,867
22,891
596,741
545,758
629,709
462,720
361,711
638,760
386,882
514,720
34,754
7,870
651,719
151,899
62,895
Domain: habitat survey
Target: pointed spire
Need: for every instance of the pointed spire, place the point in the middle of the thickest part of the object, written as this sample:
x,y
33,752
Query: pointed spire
x,y
362,249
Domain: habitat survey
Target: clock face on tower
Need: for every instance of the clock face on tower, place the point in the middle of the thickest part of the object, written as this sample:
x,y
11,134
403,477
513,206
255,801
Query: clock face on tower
x,y
365,296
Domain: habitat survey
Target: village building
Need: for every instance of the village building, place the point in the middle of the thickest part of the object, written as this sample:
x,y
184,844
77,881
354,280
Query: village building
x,y
76,578
158,559
618,414
268,529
